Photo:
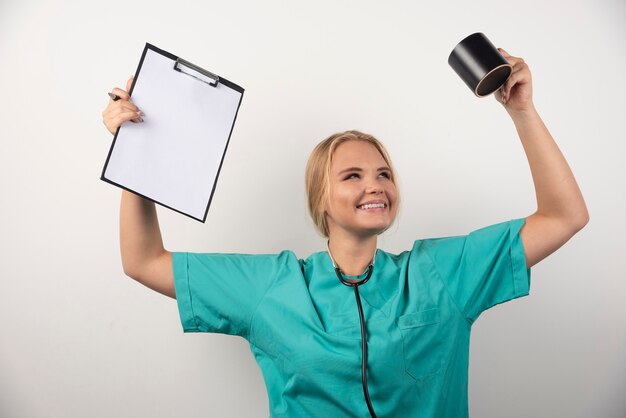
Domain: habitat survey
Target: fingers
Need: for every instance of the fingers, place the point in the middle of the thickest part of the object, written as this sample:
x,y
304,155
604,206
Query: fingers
x,y
520,74
517,77
129,83
510,58
123,94
115,120
504,53
122,110
122,107
499,95
114,117
118,106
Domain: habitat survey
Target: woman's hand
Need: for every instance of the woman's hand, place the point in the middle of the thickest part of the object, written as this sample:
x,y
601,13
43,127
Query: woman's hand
x,y
517,93
122,110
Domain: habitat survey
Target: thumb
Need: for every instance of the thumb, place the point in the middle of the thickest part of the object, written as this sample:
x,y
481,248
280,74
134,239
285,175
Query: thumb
x,y
129,83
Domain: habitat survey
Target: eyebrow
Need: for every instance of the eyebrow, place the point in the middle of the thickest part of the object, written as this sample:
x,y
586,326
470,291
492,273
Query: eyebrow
x,y
359,169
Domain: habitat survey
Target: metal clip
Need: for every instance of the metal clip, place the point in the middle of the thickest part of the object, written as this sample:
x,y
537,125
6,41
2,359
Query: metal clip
x,y
196,72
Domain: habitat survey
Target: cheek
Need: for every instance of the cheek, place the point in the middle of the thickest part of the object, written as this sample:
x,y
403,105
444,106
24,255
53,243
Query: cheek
x,y
335,200
394,211
341,195
392,194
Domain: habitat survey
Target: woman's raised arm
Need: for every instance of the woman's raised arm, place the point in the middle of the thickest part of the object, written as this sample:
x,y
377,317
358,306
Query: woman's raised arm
x,y
561,209
143,256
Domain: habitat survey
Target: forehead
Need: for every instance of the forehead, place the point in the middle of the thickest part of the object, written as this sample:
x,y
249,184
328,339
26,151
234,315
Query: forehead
x,y
356,154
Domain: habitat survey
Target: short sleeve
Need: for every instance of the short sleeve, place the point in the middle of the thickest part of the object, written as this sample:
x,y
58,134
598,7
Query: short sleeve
x,y
482,269
220,292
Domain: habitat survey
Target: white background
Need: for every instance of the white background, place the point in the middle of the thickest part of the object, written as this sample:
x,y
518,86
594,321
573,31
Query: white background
x,y
79,339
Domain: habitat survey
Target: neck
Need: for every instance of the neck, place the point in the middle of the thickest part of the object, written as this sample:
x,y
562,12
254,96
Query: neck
x,y
352,254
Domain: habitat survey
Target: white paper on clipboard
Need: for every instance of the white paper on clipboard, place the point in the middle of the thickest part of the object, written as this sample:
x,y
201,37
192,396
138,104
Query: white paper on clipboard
x,y
174,157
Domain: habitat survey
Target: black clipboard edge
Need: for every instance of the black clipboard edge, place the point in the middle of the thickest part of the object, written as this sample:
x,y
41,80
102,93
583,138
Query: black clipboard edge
x,y
219,169
173,57
203,220
224,81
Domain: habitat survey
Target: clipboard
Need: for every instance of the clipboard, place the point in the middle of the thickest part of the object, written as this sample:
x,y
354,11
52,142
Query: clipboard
x,y
175,155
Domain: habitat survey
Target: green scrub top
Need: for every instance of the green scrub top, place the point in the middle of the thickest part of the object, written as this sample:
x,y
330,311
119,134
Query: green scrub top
x,y
303,328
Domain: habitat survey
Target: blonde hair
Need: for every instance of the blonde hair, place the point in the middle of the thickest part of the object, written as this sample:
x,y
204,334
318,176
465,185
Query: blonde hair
x,y
317,174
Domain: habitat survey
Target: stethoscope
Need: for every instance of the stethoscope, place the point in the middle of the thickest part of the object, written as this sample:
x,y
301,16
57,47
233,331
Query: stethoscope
x,y
355,285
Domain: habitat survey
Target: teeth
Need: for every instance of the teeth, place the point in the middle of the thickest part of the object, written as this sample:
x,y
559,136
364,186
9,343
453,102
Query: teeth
x,y
373,205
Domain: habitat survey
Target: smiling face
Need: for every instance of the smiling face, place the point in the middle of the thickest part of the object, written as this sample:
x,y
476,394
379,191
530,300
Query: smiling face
x,y
362,196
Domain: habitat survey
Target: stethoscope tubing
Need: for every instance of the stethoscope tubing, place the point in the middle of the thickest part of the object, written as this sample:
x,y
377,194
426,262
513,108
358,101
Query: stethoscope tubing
x,y
355,286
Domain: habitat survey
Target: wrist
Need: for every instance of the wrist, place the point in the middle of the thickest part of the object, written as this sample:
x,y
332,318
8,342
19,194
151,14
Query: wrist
x,y
528,114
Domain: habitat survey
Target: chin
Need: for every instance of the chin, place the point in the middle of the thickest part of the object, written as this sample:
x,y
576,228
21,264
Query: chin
x,y
375,229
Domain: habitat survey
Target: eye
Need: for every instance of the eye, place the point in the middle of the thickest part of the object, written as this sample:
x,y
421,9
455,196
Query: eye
x,y
386,174
352,176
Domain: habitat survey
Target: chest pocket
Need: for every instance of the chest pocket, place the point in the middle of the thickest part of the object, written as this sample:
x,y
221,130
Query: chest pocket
x,y
422,340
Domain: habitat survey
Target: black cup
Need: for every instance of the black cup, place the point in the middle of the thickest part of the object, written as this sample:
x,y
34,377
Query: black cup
x,y
479,64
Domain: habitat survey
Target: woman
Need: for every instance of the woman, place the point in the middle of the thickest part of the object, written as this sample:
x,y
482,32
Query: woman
x,y
418,306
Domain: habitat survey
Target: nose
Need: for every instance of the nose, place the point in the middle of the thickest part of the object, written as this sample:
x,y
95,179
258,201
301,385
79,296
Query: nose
x,y
373,185
374,189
